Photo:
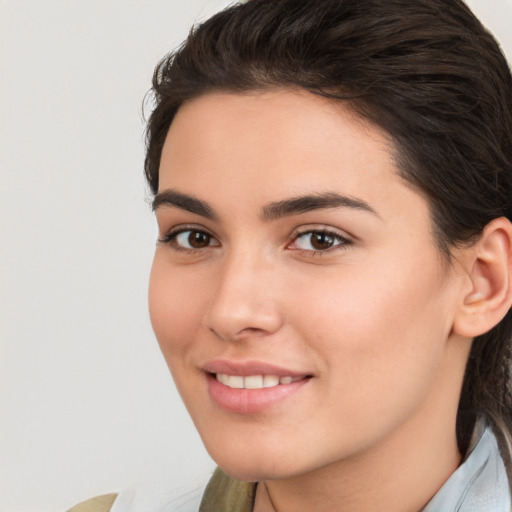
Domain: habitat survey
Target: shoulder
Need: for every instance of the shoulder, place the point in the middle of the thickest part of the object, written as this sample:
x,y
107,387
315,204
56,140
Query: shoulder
x,y
180,493
227,494
204,492
99,504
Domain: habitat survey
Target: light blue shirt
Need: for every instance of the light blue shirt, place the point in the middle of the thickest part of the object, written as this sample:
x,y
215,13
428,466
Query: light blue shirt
x,y
480,483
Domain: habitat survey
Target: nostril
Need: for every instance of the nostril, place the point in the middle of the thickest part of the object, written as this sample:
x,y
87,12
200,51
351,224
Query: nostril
x,y
240,311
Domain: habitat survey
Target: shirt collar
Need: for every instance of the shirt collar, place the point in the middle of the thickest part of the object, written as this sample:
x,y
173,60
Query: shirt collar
x,y
480,483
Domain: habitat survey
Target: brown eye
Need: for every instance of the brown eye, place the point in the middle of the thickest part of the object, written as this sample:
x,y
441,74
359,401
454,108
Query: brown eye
x,y
319,241
322,241
190,239
198,240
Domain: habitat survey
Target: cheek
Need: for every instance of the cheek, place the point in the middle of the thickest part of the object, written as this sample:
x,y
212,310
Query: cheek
x,y
377,334
175,307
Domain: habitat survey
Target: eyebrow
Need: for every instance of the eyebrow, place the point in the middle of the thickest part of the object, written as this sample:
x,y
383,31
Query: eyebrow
x,y
307,203
177,199
272,211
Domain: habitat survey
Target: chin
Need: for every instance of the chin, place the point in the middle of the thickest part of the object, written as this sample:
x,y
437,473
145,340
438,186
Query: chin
x,y
254,472
255,465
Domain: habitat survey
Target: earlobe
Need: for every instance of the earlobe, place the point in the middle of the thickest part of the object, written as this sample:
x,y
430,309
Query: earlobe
x,y
488,266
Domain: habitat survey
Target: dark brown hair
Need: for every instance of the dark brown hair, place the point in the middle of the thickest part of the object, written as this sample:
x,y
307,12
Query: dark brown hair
x,y
425,71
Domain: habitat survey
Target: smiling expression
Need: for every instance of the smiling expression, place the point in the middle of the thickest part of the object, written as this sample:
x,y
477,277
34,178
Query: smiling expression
x,y
297,293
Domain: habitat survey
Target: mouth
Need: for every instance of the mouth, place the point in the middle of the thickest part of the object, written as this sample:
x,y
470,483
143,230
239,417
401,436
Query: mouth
x,y
255,381
252,387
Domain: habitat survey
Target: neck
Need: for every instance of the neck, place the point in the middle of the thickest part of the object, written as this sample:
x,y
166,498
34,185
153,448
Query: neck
x,y
401,474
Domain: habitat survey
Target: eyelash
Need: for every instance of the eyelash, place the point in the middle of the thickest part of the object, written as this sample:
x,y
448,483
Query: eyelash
x,y
170,238
340,242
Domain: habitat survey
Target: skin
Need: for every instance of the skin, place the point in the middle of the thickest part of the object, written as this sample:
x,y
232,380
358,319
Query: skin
x,y
369,318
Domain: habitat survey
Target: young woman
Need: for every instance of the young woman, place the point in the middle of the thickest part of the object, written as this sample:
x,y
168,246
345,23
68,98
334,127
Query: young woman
x,y
331,286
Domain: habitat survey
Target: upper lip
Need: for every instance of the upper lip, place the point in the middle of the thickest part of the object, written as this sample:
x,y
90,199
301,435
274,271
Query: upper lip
x,y
248,368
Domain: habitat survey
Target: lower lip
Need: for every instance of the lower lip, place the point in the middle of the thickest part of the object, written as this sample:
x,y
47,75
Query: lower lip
x,y
249,401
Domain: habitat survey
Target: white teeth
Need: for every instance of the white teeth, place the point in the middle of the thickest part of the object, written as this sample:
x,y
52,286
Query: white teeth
x,y
254,381
269,381
236,381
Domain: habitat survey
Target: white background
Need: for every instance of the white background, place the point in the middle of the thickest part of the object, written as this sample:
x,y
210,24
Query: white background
x,y
86,402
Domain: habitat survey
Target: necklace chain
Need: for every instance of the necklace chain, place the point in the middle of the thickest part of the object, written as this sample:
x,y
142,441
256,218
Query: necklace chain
x,y
270,497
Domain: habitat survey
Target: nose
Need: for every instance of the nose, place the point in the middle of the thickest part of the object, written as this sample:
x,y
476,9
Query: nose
x,y
245,303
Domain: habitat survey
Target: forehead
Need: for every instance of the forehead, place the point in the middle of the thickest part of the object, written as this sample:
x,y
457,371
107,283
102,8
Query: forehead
x,y
279,128
252,149
293,114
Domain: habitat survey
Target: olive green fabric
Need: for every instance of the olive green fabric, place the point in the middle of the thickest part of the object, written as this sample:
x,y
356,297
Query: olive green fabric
x,y
224,494
98,504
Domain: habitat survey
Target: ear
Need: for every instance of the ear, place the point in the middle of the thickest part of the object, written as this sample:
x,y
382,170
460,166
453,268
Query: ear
x,y
488,267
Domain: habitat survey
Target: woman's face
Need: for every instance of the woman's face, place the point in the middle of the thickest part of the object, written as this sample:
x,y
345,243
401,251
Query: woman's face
x,y
296,292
